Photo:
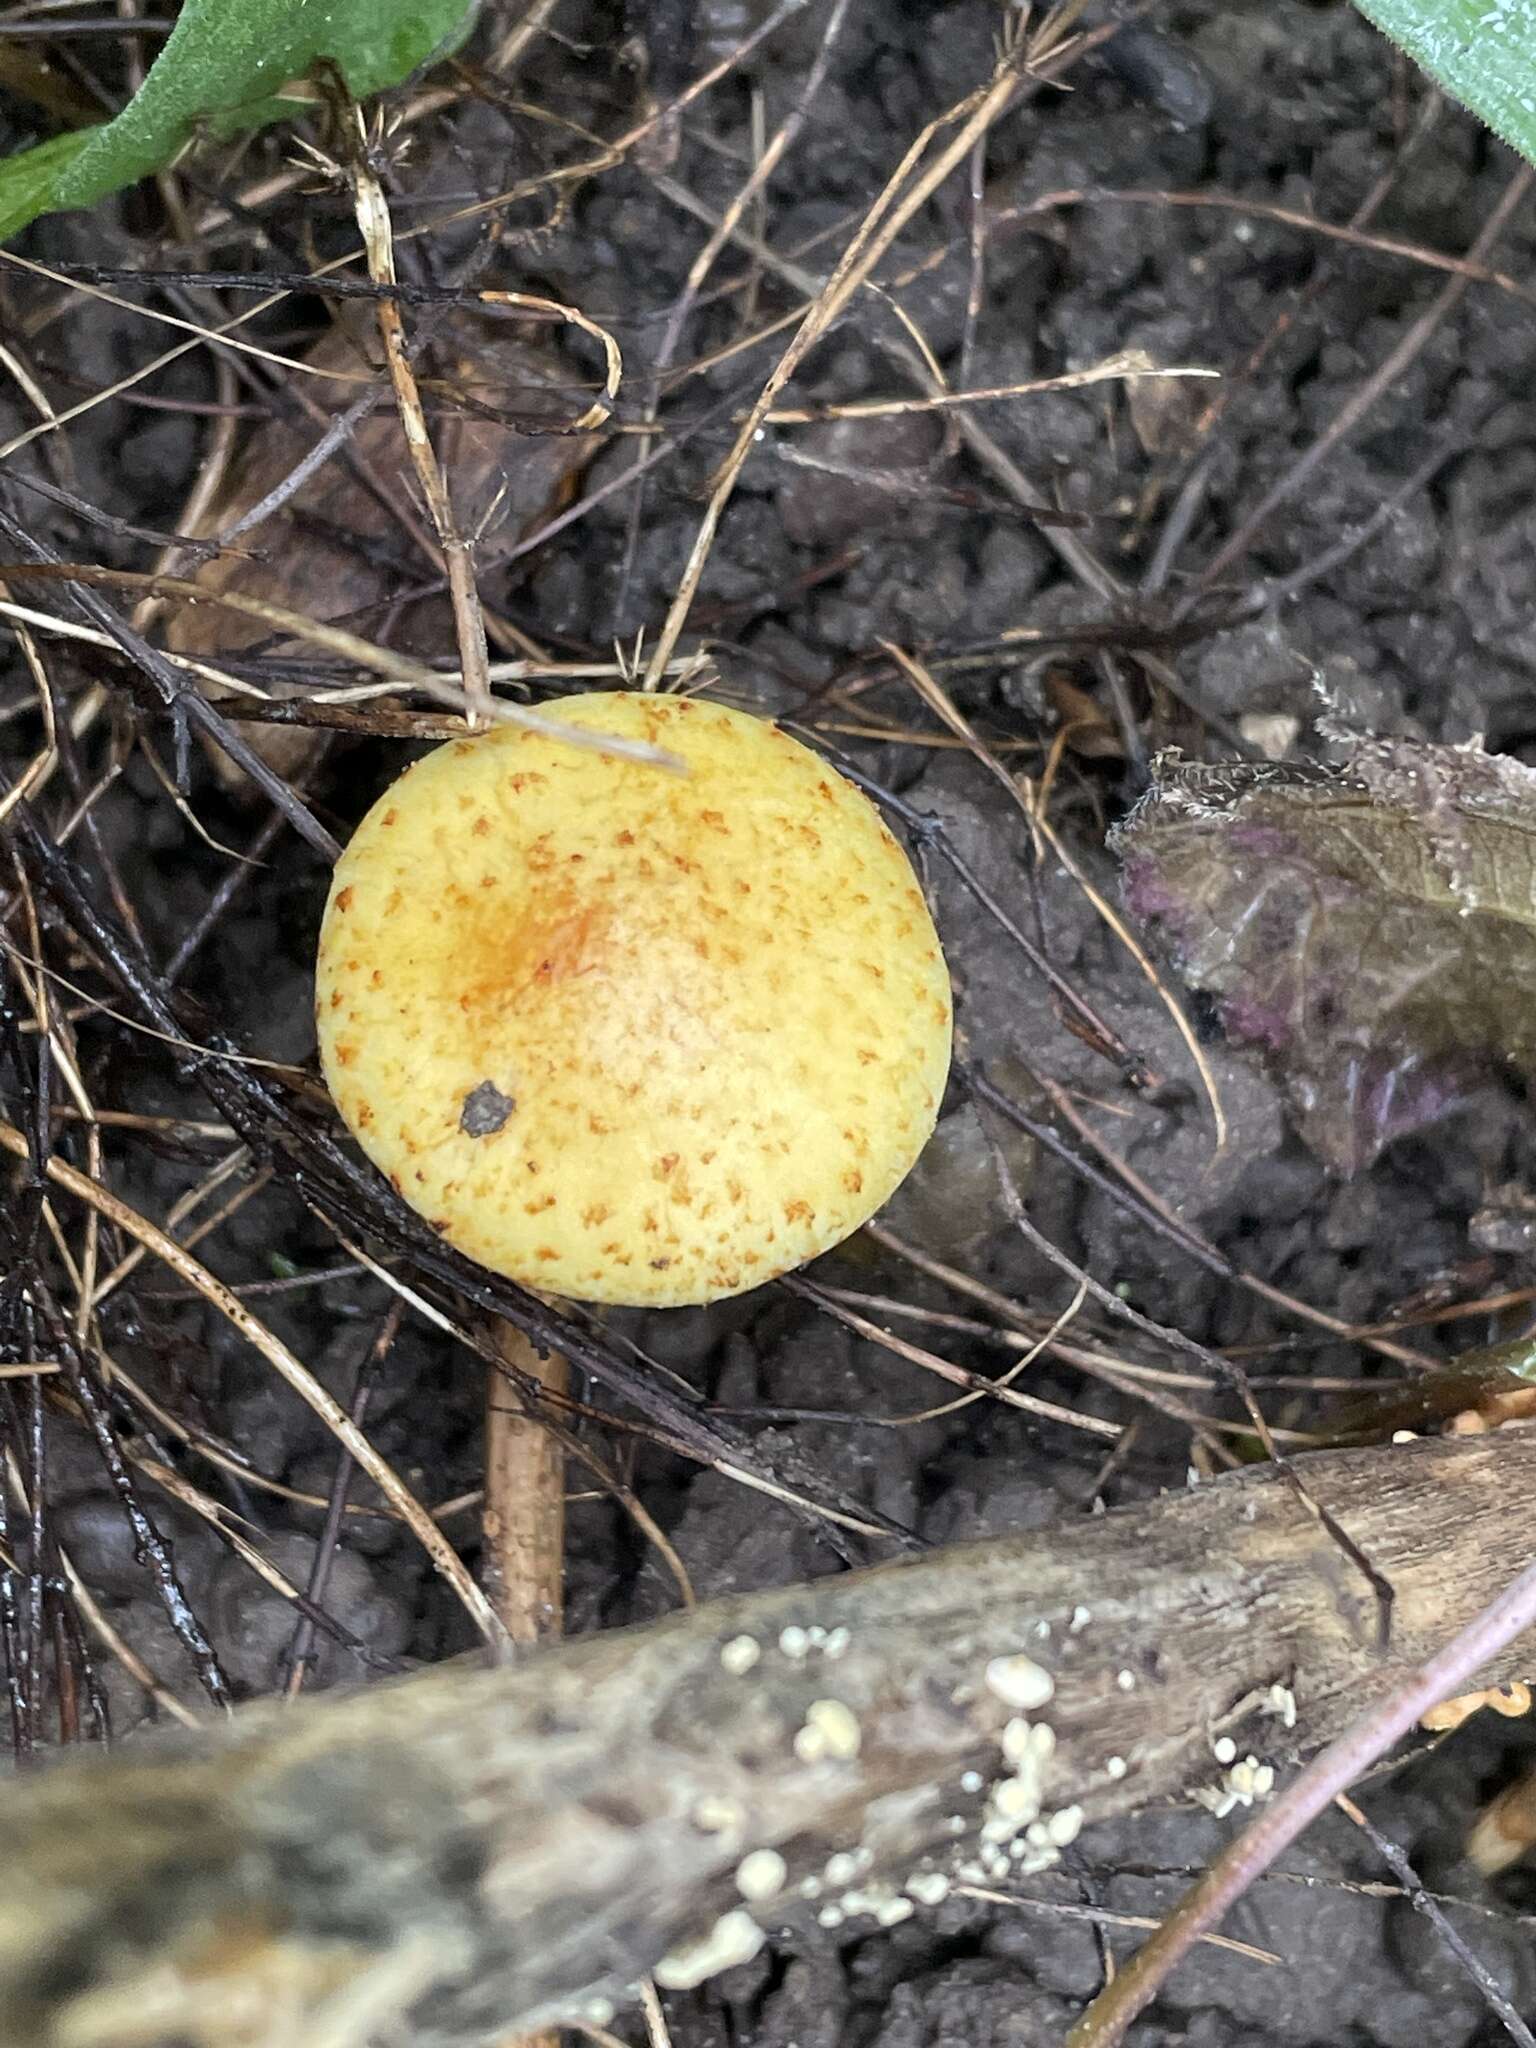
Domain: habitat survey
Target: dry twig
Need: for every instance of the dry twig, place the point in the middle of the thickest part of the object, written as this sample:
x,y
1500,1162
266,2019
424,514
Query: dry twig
x,y
513,1847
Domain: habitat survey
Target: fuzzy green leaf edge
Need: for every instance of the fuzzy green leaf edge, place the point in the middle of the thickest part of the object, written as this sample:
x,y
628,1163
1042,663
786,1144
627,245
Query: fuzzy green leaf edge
x,y
1482,51
221,72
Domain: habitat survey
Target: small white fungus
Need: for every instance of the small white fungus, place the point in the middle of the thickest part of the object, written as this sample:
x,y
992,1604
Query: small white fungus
x,y
1064,1826
734,1938
761,1874
1019,1682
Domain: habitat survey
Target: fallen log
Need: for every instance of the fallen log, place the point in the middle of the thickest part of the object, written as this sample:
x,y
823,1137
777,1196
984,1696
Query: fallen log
x,y
460,1856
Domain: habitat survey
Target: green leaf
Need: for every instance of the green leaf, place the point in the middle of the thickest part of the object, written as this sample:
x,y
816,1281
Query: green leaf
x,y
223,69
27,181
1482,51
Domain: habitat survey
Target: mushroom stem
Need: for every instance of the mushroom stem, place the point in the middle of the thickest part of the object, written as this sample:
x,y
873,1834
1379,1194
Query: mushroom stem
x,y
523,1519
524,1515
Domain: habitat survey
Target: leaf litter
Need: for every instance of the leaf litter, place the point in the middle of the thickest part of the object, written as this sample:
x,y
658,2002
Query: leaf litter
x,y
1369,929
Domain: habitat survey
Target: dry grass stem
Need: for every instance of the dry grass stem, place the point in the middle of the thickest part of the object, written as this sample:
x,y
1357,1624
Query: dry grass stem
x,y
277,1354
1114,369
882,225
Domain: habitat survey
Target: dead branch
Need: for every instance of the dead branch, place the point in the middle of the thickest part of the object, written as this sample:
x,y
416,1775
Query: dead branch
x,y
476,1851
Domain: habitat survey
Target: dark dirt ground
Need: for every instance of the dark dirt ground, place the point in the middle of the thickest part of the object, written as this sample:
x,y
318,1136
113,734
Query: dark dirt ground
x,y
842,536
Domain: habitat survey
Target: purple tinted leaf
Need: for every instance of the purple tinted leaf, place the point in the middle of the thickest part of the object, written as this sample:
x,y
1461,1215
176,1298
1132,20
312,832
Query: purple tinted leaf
x,y
1370,929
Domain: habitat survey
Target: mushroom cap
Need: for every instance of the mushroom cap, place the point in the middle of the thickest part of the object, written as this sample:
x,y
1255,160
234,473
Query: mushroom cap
x,y
629,1035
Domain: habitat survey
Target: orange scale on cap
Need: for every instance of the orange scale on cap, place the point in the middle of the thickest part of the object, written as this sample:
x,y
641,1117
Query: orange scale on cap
x,y
667,968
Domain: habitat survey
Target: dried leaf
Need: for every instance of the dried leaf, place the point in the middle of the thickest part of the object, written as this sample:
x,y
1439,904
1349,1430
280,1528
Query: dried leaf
x,y
338,554
1371,928
1090,730
1163,410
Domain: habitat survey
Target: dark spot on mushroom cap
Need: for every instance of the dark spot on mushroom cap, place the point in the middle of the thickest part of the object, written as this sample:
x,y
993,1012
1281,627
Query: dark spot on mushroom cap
x,y
485,1111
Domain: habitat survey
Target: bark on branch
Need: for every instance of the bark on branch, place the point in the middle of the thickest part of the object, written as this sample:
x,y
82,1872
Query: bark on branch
x,y
471,1853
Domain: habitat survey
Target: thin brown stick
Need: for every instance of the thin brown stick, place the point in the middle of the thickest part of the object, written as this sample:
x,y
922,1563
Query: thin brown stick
x,y
277,1354
1425,1903
1118,368
906,192
1382,378
402,671
974,1383
1102,1916
1505,1617
378,239
1356,237
1020,791
516,37
699,269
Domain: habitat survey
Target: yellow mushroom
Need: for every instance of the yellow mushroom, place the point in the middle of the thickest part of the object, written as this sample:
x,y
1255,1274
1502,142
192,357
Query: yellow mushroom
x,y
632,1036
